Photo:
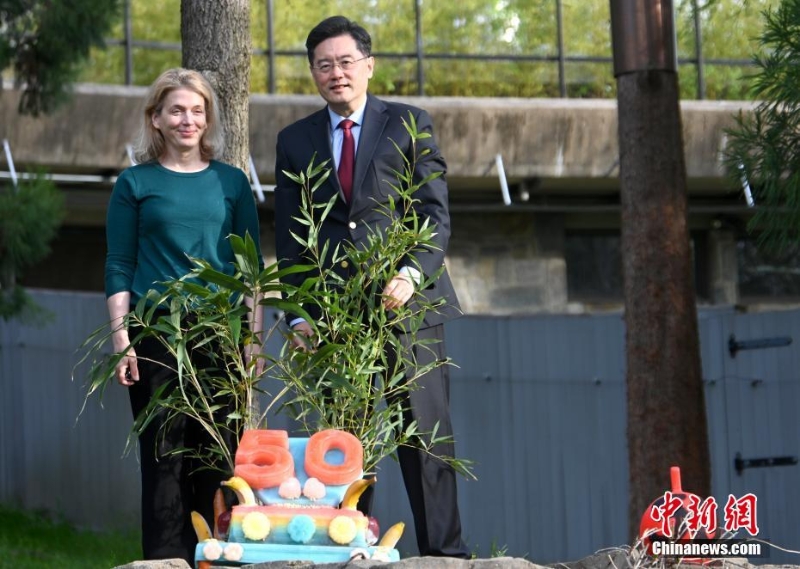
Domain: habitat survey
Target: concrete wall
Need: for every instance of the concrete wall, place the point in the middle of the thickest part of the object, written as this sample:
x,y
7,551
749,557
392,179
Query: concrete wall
x,y
559,139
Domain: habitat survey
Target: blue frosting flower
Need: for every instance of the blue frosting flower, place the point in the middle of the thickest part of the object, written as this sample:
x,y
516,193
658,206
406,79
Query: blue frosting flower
x,y
301,528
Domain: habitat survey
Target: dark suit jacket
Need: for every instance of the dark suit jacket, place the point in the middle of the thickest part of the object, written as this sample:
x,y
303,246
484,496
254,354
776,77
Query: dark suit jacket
x,y
376,161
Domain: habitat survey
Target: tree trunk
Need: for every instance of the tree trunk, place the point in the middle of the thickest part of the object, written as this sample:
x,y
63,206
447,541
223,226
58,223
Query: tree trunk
x,y
665,399
215,38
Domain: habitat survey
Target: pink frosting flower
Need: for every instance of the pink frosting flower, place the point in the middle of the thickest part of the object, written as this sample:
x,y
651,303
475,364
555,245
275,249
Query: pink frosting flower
x,y
212,550
314,489
289,489
233,551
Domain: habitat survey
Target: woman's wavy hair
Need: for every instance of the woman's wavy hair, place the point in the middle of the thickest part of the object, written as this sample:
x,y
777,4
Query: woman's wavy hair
x,y
150,143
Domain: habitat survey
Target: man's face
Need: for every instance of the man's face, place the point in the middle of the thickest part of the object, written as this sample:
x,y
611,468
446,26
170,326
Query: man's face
x,y
342,74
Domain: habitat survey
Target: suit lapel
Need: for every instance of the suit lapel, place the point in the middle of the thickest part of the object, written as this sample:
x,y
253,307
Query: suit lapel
x,y
320,136
375,119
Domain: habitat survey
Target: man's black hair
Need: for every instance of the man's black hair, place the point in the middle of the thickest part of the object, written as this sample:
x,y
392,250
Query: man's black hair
x,y
336,26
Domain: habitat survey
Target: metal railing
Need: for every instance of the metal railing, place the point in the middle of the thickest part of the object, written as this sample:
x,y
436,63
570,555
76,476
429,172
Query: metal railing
x,y
561,58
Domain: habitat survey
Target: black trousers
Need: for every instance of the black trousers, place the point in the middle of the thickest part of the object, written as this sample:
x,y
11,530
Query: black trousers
x,y
430,482
173,485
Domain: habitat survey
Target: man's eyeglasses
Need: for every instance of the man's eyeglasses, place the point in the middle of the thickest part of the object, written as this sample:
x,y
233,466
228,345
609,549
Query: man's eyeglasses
x,y
344,65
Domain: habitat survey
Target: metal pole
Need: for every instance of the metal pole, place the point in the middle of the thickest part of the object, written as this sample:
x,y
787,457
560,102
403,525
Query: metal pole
x,y
698,46
420,70
643,34
562,79
128,44
10,160
270,47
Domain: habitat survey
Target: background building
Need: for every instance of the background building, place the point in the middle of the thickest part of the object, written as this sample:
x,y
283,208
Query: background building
x,y
534,95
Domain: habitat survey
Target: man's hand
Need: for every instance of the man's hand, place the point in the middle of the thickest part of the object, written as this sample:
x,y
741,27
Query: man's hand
x,y
397,292
302,335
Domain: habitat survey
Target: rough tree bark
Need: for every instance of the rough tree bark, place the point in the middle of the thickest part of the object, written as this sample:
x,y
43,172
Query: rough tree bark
x,y
215,39
665,399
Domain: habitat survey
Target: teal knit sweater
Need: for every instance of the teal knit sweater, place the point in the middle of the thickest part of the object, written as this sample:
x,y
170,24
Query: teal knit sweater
x,y
158,218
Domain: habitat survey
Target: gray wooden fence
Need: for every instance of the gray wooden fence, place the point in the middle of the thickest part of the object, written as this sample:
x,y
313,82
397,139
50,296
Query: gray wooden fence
x,y
538,405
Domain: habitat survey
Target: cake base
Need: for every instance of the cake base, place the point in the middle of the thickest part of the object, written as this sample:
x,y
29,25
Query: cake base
x,y
264,552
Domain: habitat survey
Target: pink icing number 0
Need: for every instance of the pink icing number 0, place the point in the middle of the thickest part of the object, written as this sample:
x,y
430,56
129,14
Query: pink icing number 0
x,y
263,459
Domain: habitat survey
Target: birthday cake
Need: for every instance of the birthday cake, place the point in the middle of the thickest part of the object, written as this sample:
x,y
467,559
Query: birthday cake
x,y
297,501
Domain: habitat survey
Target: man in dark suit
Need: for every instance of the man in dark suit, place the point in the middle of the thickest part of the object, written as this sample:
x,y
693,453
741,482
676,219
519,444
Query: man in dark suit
x,y
339,53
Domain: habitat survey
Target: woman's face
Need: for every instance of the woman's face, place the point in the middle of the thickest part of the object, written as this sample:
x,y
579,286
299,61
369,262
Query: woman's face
x,y
182,120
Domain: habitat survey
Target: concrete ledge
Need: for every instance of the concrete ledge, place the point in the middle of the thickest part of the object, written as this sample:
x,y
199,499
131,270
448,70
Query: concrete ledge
x,y
569,145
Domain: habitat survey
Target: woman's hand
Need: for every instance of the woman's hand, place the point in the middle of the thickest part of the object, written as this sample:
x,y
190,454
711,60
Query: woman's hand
x,y
126,370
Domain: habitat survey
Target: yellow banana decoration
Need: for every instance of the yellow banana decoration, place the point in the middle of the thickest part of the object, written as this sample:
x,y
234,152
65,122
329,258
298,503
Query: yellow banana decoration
x,y
243,491
392,535
200,527
354,491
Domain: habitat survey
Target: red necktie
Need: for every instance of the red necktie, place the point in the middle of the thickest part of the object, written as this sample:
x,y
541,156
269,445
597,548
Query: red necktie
x,y
347,159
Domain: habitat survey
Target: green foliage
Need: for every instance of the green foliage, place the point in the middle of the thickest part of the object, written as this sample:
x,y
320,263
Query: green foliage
x,y
510,29
30,215
346,381
36,540
762,147
330,386
207,321
497,550
45,43
155,22
729,31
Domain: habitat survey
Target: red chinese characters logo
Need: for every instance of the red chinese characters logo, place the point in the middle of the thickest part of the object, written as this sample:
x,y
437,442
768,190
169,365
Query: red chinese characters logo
x,y
664,512
739,513
701,515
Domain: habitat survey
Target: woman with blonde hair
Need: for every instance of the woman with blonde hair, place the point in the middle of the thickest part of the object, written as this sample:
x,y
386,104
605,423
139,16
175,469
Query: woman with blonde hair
x,y
150,144
178,202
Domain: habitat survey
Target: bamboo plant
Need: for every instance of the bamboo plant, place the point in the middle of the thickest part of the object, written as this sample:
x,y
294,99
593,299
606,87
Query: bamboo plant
x,y
343,383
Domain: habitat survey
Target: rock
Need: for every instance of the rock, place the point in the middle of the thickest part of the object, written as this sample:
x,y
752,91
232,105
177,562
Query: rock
x,y
611,559
503,563
160,564
409,563
621,559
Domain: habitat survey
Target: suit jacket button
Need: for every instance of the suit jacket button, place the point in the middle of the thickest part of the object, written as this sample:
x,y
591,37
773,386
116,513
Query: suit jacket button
x,y
344,264
352,225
